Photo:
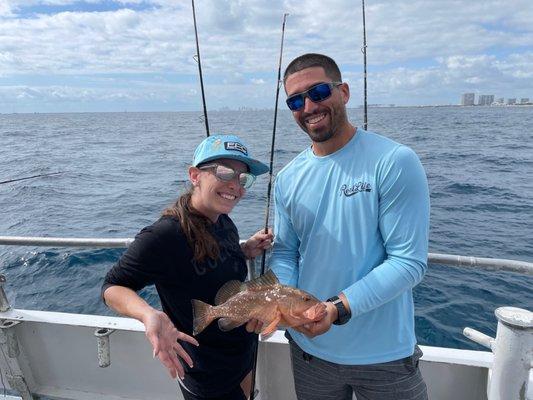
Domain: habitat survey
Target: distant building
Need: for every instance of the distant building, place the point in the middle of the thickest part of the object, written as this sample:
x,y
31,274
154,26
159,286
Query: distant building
x,y
467,99
500,100
524,100
485,100
511,101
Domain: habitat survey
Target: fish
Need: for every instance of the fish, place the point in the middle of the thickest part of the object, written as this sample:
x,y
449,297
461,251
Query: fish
x,y
264,299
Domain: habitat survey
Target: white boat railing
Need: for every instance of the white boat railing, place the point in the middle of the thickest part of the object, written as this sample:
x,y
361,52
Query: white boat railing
x,y
512,347
65,242
494,264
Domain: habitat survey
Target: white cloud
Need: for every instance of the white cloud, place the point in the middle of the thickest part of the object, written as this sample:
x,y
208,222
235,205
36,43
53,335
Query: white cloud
x,y
443,84
412,45
517,65
234,78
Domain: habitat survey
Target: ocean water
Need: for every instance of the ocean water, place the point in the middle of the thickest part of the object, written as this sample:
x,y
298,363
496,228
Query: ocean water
x,y
120,170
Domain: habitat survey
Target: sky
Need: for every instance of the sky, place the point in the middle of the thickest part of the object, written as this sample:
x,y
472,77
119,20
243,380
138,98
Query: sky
x,y
139,55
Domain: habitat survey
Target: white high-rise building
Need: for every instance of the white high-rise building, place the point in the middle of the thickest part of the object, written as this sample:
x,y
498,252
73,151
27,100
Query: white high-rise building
x,y
485,100
467,99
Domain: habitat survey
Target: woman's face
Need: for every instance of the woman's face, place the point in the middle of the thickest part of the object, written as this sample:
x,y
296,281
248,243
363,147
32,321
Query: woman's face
x,y
212,196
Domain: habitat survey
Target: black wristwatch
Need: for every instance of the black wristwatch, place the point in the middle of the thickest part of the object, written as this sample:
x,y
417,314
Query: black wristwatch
x,y
344,314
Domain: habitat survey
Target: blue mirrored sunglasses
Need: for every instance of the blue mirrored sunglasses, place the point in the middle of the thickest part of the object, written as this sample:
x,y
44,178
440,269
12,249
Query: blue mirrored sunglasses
x,y
226,174
316,93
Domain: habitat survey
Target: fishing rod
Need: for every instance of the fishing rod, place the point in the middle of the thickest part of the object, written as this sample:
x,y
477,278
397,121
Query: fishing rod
x,y
197,58
269,190
363,50
30,177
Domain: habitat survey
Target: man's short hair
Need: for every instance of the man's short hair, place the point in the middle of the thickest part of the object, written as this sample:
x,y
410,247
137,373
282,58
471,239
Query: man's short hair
x,y
314,60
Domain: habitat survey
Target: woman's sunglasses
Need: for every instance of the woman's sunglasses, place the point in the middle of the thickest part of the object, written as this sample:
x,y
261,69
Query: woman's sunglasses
x,y
226,174
317,93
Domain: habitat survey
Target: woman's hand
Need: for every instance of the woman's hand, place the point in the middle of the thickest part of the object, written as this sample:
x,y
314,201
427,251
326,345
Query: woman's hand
x,y
254,326
258,242
164,337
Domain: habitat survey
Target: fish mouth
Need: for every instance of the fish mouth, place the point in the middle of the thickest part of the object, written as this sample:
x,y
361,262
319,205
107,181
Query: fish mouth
x,y
316,312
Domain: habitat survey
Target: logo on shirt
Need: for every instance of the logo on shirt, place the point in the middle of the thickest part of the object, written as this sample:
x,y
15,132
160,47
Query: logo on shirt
x,y
355,188
230,256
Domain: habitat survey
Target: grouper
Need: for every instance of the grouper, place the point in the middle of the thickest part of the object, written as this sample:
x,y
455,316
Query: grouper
x,y
264,299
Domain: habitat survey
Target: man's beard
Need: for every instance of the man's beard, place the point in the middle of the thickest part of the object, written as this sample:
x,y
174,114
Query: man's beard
x,y
336,115
320,137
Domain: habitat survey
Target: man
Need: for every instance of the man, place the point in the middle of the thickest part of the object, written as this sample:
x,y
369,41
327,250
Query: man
x,y
351,226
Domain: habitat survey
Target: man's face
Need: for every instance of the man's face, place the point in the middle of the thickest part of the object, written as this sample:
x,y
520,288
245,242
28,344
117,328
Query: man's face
x,y
321,120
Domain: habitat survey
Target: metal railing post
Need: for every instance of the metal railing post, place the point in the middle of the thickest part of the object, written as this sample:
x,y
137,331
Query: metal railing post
x,y
9,338
4,302
10,353
513,354
104,350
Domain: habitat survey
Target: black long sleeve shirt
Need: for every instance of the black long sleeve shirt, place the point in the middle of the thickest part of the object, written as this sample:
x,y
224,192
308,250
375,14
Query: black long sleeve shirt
x,y
161,256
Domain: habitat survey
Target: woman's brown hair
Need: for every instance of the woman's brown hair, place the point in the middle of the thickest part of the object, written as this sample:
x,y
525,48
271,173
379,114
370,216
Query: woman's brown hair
x,y
195,227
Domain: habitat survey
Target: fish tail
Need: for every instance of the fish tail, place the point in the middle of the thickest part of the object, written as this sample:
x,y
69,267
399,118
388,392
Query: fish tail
x,y
201,316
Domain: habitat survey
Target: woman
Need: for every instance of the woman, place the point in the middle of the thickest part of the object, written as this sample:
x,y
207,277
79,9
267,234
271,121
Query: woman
x,y
189,253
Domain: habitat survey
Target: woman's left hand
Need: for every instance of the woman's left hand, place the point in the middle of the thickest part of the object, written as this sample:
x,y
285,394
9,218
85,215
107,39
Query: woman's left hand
x,y
258,242
254,326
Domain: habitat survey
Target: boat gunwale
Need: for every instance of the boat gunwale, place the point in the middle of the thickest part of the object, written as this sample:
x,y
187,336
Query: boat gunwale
x,y
431,353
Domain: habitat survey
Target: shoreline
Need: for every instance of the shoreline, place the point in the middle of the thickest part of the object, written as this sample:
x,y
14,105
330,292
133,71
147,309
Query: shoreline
x,y
514,106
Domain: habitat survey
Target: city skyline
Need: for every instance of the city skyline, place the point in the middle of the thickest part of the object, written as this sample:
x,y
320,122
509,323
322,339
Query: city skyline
x,y
137,55
468,99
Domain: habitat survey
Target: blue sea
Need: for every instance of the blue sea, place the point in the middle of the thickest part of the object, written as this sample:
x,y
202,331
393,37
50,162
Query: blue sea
x,y
120,170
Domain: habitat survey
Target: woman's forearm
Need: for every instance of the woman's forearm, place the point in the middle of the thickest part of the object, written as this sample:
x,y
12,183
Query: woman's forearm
x,y
128,303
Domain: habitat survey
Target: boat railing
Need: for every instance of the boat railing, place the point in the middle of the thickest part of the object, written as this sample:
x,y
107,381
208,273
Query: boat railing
x,y
512,347
493,264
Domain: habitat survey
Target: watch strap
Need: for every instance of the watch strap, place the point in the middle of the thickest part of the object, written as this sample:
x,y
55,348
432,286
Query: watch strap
x,y
343,314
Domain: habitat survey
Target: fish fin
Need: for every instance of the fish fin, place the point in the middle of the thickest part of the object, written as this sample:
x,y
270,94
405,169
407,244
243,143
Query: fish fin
x,y
283,323
272,326
231,288
228,290
227,324
201,316
267,279
266,337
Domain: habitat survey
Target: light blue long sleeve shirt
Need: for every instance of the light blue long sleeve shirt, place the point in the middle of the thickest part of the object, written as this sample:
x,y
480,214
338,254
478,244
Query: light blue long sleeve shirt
x,y
357,222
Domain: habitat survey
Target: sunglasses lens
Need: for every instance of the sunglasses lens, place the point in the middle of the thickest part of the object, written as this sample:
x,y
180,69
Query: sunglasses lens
x,y
246,180
295,102
224,173
319,92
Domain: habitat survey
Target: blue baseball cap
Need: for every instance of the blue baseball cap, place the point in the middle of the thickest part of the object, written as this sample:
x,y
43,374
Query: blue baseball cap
x,y
227,146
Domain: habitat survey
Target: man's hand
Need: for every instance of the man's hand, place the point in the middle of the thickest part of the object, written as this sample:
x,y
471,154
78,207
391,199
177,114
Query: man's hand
x,y
164,337
258,242
321,325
